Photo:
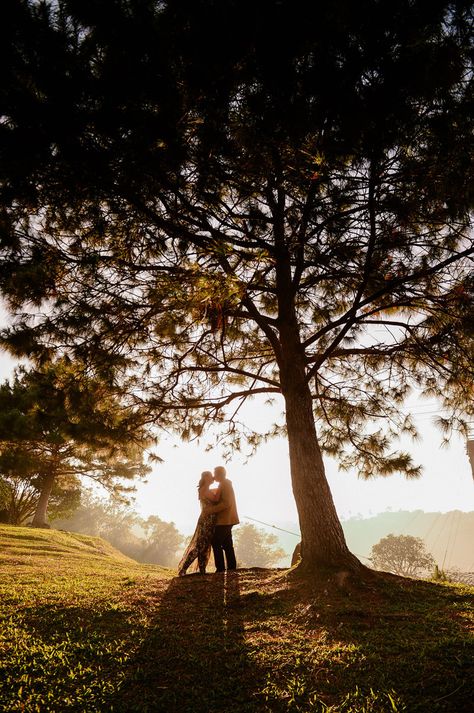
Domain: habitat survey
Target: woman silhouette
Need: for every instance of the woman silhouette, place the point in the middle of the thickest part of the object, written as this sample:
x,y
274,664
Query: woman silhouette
x,y
200,546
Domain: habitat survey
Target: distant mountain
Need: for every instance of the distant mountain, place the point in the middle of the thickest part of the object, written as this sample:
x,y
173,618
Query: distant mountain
x,y
448,536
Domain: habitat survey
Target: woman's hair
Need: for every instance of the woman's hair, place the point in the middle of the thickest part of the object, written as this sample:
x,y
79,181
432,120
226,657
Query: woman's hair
x,y
204,477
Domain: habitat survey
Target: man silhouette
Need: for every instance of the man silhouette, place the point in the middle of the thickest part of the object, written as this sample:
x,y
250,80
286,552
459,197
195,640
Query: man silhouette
x,y
226,518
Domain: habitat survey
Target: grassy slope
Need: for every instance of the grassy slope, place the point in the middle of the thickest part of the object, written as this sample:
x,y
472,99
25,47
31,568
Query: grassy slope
x,y
83,628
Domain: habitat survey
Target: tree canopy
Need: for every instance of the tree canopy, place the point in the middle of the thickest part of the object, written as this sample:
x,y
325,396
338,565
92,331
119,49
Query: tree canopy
x,y
58,425
230,199
402,554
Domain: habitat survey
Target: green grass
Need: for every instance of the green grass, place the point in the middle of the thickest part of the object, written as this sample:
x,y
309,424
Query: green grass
x,y
84,628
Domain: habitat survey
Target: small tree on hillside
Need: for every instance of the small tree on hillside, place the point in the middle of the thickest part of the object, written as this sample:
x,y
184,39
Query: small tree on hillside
x,y
58,425
256,548
402,554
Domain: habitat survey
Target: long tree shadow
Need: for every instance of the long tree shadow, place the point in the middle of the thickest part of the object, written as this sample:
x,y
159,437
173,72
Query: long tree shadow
x,y
195,658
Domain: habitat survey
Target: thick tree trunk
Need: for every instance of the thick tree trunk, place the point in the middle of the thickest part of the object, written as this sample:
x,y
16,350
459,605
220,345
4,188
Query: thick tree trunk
x,y
323,543
40,516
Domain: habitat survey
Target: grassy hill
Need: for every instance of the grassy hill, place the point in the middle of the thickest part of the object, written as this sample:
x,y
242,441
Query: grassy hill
x,y
85,629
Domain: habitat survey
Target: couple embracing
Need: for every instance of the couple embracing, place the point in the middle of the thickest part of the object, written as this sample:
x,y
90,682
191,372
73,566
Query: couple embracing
x,y
214,527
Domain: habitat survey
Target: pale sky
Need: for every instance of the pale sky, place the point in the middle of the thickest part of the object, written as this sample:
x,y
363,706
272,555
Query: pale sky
x,y
263,486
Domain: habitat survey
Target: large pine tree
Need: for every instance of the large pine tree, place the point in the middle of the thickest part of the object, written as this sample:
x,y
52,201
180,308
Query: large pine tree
x,y
234,199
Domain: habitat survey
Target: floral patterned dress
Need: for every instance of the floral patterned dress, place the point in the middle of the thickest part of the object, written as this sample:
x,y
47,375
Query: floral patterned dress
x,y
200,546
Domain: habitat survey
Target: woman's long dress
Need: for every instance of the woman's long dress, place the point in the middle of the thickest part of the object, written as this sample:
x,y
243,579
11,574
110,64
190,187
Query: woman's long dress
x,y
200,546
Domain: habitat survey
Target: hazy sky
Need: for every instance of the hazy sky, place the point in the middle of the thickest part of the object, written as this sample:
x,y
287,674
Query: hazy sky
x,y
263,487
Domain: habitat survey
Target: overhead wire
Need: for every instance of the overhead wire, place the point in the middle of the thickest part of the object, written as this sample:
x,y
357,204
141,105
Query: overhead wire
x,y
412,519
458,524
441,530
450,532
275,527
296,534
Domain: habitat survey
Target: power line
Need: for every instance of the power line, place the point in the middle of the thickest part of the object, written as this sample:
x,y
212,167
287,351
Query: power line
x,y
440,532
458,523
430,527
275,527
450,532
296,534
411,519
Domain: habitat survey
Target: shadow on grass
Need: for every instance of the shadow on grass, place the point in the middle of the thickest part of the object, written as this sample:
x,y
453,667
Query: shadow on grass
x,y
195,659
244,642
399,639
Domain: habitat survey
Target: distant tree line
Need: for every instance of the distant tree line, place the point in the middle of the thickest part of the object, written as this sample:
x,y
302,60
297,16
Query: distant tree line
x,y
447,535
257,548
146,540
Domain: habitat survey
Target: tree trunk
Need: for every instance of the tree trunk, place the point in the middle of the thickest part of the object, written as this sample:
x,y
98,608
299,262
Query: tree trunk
x,y
323,543
40,516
